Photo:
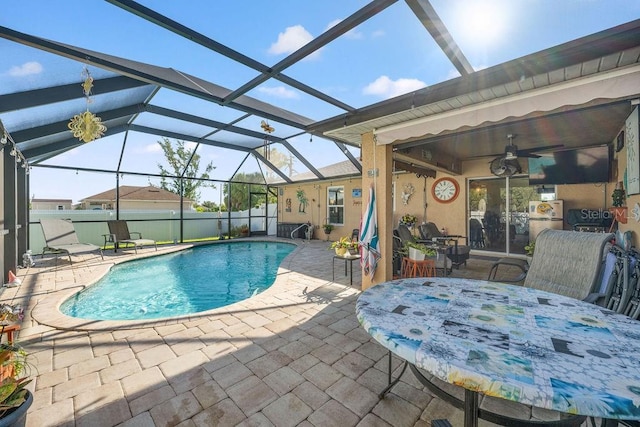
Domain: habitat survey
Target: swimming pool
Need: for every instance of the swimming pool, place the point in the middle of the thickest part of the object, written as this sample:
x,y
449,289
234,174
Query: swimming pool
x,y
189,281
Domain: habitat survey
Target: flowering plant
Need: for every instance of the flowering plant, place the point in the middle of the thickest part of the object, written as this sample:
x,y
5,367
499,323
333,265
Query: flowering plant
x,y
11,313
14,368
344,242
409,219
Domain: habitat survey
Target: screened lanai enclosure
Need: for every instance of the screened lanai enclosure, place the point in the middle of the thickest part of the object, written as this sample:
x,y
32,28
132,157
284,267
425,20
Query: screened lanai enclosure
x,y
251,98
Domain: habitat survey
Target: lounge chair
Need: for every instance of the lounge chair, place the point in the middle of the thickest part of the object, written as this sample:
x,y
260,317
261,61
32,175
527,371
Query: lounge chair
x,y
61,237
119,234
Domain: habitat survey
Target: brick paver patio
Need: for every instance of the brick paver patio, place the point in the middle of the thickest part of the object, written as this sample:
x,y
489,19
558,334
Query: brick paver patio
x,y
293,355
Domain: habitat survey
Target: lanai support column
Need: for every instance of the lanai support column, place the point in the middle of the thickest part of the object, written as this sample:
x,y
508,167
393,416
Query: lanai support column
x,y
9,213
22,201
377,164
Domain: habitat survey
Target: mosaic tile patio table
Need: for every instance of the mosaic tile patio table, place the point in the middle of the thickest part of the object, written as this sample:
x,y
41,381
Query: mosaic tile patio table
x,y
510,342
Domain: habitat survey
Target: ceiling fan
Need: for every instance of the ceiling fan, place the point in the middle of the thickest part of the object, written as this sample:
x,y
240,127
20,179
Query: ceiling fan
x,y
501,166
507,164
511,151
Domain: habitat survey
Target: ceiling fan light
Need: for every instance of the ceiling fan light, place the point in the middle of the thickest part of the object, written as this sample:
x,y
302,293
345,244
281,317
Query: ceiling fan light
x,y
511,152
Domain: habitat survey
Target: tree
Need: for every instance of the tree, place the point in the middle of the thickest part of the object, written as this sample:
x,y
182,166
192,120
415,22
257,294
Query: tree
x,y
208,206
178,159
240,190
282,161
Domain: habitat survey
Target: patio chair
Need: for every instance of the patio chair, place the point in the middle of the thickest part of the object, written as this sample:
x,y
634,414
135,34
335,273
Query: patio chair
x,y
458,253
119,234
60,237
569,263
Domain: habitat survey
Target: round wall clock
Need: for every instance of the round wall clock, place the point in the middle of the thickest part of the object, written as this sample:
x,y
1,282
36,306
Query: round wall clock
x,y
445,190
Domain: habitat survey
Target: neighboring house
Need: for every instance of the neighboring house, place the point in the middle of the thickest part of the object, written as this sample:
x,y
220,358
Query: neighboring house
x,y
136,198
51,204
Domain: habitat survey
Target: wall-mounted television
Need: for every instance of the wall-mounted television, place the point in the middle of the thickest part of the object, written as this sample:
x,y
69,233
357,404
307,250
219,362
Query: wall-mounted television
x,y
576,166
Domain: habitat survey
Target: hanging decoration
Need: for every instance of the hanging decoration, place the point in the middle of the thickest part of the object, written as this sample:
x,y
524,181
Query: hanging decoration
x,y
268,129
407,192
87,126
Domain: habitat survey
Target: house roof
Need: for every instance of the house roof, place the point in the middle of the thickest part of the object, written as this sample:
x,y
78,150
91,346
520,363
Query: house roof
x,y
52,200
130,192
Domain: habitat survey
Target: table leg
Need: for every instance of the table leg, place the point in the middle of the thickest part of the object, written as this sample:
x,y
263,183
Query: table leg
x,y
333,269
351,275
394,382
470,408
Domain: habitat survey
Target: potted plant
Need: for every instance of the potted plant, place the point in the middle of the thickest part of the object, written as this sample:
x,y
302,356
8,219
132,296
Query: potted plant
x,y
529,249
419,251
344,246
327,229
408,220
618,210
15,399
244,230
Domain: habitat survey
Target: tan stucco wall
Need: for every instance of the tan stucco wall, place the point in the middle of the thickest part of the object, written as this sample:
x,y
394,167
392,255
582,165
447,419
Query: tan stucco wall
x,y
316,210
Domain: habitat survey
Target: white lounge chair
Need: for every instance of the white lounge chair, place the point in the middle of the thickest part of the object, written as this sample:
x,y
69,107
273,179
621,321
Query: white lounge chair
x,y
61,237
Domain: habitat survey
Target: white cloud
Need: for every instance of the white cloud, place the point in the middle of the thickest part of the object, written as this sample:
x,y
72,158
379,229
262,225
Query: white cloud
x,y
291,40
25,69
279,92
384,87
378,33
155,147
152,148
351,34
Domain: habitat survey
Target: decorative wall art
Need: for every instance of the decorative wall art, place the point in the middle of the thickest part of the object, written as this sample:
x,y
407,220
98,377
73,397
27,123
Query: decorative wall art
x,y
407,191
302,201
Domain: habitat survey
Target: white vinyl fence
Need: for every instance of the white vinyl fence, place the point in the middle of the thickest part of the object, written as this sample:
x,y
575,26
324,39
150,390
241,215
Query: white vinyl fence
x,y
161,226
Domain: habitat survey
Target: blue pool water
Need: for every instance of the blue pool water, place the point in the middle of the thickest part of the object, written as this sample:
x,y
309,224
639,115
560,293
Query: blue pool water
x,y
190,281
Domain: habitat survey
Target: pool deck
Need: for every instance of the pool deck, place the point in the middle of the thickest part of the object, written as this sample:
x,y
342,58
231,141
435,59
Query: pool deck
x,y
294,355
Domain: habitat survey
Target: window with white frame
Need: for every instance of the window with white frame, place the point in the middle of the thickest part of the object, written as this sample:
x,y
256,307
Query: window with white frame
x,y
335,205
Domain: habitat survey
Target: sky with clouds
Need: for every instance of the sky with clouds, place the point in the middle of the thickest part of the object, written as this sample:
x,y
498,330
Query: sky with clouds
x,y
389,55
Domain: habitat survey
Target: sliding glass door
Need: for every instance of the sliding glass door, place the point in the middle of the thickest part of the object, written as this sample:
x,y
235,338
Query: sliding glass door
x,y
499,219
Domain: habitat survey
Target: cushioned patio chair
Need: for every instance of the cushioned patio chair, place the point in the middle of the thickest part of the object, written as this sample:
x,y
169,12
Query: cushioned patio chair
x,y
120,235
569,263
60,237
